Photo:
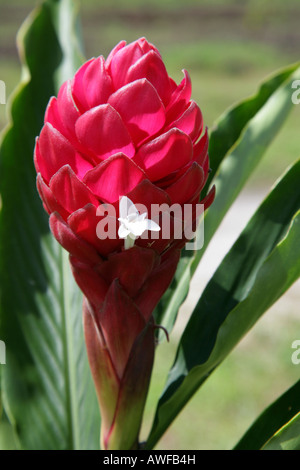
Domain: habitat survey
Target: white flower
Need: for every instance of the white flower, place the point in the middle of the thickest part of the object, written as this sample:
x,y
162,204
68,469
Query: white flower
x,y
132,223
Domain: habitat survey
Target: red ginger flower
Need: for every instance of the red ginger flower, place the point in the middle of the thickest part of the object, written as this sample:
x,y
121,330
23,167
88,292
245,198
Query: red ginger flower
x,y
120,127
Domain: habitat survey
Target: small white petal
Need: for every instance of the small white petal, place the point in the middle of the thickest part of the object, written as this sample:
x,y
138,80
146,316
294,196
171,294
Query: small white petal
x,y
132,210
126,207
132,217
142,217
123,232
153,226
137,228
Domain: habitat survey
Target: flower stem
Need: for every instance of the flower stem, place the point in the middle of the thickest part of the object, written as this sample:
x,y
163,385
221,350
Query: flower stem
x,y
129,241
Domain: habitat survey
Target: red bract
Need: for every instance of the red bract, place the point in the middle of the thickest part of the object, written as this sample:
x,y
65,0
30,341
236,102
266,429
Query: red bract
x,y
120,127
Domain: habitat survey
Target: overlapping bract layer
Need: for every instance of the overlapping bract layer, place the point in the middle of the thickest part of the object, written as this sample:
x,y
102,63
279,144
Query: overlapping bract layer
x,y
120,127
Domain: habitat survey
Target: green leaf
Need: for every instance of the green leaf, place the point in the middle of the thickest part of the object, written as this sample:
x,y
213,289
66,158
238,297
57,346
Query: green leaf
x,y
243,157
8,437
237,143
262,264
46,385
273,418
230,125
287,438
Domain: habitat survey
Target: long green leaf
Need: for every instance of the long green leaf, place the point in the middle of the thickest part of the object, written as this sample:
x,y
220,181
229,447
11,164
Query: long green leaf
x,y
260,267
47,388
273,418
237,144
8,437
229,127
244,156
287,438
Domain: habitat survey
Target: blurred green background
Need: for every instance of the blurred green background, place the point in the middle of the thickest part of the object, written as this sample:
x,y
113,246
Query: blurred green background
x,y
228,47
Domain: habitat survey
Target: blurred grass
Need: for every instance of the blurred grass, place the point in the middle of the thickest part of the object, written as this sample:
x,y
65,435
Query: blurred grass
x,y
228,47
